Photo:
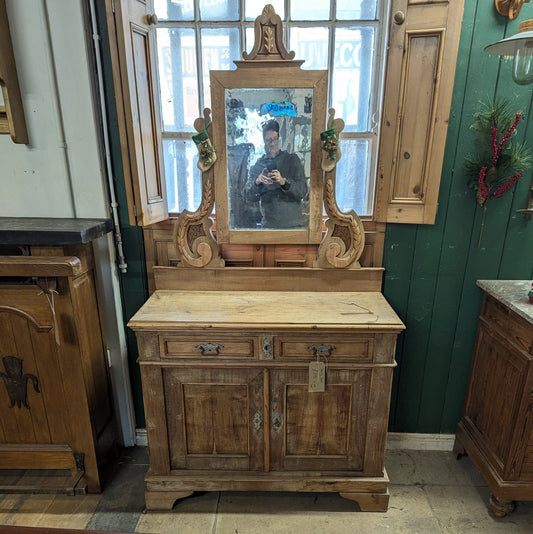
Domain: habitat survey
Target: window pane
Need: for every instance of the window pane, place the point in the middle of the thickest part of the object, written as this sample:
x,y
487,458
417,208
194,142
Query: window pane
x,y
182,176
220,47
250,39
305,10
352,76
356,9
310,44
174,9
353,176
254,8
176,54
219,10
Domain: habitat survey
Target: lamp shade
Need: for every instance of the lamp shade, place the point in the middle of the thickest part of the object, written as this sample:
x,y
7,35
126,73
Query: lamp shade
x,y
519,46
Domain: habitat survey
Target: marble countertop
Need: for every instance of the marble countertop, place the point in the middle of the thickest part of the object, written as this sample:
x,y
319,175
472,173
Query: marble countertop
x,y
512,293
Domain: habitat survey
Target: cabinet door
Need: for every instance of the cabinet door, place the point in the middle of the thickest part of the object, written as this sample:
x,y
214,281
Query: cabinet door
x,y
215,418
319,431
32,395
493,409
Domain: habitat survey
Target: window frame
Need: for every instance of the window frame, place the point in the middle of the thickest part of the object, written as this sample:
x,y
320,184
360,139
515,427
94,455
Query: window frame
x,y
380,25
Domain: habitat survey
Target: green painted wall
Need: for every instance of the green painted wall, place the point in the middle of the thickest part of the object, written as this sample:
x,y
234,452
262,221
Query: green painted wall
x,y
430,270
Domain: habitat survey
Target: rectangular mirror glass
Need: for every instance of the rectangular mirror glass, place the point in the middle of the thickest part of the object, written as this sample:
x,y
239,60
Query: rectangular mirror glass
x,y
267,141
268,176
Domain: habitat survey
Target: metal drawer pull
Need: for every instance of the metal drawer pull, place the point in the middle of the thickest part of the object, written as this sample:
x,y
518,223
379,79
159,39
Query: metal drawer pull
x,y
322,350
210,347
257,420
276,421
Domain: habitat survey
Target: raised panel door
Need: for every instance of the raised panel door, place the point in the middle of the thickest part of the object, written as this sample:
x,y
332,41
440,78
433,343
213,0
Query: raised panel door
x,y
319,430
215,418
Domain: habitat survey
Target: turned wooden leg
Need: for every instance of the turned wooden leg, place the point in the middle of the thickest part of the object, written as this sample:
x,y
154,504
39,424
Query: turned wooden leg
x,y
369,502
164,500
500,508
458,448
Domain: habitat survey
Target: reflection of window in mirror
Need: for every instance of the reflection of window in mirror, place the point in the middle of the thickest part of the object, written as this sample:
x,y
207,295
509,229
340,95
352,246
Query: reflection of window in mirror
x,y
269,158
188,47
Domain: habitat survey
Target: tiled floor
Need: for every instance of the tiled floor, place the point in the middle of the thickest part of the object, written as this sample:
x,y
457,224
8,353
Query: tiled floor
x,y
431,492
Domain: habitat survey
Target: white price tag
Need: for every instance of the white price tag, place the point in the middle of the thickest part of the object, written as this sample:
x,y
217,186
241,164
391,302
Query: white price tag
x,y
317,376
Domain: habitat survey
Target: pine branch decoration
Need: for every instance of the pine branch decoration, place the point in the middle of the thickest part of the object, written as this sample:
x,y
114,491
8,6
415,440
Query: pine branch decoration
x,y
500,161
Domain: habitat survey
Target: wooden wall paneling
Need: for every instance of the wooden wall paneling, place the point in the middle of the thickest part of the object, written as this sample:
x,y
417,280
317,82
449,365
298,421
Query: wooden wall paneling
x,y
482,262
439,324
398,262
519,234
430,361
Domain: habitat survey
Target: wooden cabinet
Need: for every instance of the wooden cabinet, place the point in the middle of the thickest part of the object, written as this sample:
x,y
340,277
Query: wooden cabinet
x,y
496,429
56,408
226,388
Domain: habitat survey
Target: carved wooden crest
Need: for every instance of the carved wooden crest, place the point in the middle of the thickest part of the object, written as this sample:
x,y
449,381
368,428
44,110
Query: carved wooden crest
x,y
268,44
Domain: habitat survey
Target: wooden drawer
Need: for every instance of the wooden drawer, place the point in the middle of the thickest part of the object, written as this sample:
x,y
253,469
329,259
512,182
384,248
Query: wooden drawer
x,y
510,324
333,347
208,345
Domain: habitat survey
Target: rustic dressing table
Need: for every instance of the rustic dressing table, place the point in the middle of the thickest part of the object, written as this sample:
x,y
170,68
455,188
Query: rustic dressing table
x,y
272,379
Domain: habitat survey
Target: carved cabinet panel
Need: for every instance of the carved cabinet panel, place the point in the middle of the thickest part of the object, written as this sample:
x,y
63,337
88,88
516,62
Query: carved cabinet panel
x,y
55,397
319,430
215,418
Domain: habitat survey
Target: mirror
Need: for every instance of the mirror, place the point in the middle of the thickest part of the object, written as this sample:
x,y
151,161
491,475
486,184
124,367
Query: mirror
x,y
268,144
267,118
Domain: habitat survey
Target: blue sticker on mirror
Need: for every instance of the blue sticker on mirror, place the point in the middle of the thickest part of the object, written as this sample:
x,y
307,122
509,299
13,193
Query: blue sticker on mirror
x,y
279,108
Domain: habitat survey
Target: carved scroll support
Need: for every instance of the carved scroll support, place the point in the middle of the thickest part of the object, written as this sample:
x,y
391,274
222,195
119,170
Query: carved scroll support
x,y
195,243
345,237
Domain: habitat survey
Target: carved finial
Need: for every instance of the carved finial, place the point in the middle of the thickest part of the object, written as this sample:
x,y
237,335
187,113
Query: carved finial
x,y
268,38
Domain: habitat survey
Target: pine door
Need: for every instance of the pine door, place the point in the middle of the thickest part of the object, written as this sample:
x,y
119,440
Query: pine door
x,y
323,431
215,418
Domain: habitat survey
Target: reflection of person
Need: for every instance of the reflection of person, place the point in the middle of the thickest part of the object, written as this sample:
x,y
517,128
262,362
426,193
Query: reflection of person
x,y
277,181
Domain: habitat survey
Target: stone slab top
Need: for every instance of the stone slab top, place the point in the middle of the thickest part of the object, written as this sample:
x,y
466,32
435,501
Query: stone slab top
x,y
512,293
51,231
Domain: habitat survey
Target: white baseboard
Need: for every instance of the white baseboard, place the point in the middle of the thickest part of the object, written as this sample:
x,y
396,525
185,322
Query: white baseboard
x,y
420,442
395,440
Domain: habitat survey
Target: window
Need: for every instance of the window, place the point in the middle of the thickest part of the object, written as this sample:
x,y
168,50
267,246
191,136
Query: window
x,y
401,166
346,38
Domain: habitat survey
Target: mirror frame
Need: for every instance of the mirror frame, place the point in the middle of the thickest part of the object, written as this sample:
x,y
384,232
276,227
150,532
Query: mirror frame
x,y
270,70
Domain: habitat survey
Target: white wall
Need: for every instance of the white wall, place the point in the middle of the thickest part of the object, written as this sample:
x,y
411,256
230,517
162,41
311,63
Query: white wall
x,y
61,172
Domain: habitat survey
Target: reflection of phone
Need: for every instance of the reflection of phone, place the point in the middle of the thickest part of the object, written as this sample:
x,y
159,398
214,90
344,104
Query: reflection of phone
x,y
270,165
